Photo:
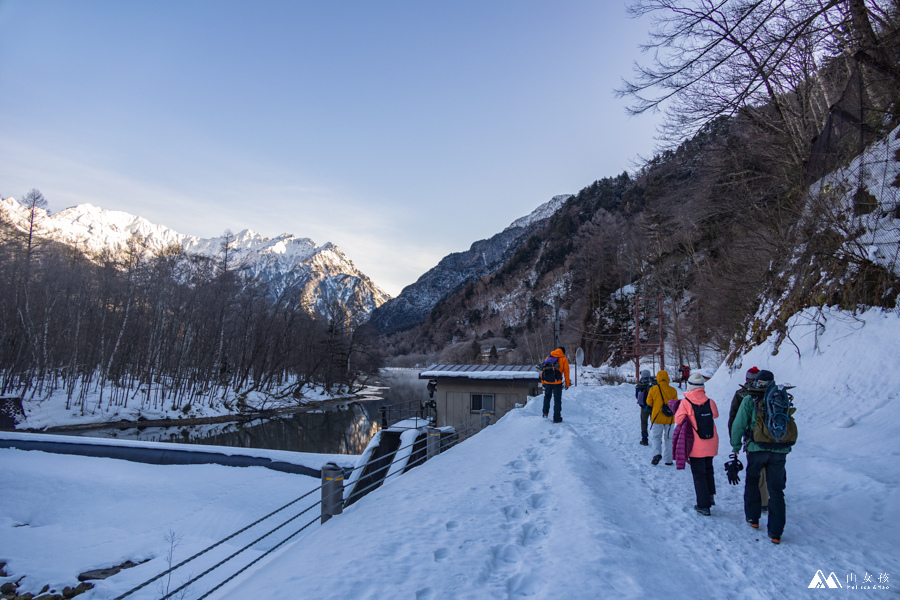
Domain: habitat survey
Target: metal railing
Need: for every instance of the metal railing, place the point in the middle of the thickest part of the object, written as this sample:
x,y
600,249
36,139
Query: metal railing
x,y
331,502
402,411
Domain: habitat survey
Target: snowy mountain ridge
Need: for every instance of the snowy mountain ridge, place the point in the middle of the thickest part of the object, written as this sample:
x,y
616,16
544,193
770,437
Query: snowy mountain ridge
x,y
324,273
455,270
544,211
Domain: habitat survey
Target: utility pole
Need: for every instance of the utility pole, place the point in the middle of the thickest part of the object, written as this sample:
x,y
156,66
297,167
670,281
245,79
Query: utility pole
x,y
637,350
556,323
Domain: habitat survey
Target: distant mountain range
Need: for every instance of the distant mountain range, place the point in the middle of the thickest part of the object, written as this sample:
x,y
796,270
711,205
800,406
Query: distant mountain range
x,y
455,270
324,274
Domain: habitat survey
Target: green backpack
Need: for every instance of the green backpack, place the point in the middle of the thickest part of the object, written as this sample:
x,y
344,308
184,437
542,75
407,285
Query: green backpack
x,y
775,426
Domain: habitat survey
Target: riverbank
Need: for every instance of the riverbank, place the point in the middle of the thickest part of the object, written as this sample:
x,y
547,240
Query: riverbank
x,y
54,413
243,417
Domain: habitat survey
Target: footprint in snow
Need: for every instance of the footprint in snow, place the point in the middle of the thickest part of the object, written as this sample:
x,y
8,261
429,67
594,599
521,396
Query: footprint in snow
x,y
534,533
523,586
540,475
425,593
514,513
524,486
441,554
452,525
542,501
505,557
518,465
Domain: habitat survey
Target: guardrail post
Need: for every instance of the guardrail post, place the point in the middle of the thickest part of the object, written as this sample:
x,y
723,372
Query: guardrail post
x,y
485,419
432,442
384,421
332,491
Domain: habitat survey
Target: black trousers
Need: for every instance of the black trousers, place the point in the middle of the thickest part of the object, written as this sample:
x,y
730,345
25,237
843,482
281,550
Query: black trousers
x,y
645,416
776,477
704,480
554,390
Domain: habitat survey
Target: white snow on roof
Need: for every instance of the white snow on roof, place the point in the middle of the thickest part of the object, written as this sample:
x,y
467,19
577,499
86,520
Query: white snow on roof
x,y
481,372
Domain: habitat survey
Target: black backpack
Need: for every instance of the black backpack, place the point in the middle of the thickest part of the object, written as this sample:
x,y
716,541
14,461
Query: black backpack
x,y
706,426
550,369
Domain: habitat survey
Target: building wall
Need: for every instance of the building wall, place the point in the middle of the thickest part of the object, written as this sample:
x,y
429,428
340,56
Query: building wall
x,y
454,397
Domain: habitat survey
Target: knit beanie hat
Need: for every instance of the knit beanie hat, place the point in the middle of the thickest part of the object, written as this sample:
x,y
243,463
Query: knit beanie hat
x,y
695,382
751,373
645,373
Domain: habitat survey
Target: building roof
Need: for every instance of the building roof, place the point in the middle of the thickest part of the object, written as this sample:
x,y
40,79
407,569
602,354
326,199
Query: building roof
x,y
526,372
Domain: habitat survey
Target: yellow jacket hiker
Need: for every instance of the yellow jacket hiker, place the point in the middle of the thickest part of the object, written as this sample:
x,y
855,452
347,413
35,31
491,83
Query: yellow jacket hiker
x,y
661,425
658,395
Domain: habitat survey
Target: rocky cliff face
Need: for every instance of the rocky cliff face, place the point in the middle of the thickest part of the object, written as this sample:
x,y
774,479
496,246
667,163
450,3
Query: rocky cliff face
x,y
324,274
455,270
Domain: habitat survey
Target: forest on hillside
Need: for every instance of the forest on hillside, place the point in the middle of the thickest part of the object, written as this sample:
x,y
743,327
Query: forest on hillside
x,y
762,99
165,330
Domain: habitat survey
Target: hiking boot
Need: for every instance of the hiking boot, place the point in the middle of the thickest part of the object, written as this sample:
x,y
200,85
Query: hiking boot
x,y
656,459
701,510
545,415
645,443
670,463
753,524
559,420
775,540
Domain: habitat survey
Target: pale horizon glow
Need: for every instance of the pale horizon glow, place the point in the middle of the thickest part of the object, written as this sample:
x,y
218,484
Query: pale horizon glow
x,y
400,132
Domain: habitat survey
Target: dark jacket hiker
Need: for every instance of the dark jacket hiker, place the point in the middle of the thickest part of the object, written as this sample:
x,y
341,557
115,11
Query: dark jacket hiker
x,y
764,455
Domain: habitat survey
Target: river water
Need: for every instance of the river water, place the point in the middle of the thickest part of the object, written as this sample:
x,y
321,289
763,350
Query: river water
x,y
343,427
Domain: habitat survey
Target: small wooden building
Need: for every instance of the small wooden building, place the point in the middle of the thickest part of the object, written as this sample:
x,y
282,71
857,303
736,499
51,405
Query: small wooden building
x,y
464,391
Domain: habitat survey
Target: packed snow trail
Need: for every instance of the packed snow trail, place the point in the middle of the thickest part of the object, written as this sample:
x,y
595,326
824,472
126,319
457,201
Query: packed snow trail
x,y
524,508
575,510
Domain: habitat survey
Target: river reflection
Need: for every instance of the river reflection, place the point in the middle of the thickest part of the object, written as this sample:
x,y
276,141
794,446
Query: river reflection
x,y
339,429
335,428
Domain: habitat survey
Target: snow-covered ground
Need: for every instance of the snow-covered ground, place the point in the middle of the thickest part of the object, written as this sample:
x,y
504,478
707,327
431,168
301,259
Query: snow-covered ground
x,y
524,508
43,411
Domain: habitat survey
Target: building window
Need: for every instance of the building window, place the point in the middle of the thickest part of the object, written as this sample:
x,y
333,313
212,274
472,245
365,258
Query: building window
x,y
482,402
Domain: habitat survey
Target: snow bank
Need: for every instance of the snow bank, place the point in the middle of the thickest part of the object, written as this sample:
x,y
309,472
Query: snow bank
x,y
524,508
844,469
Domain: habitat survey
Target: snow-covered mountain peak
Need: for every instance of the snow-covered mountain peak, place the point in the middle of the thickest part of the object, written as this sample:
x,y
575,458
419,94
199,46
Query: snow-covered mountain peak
x,y
325,272
544,211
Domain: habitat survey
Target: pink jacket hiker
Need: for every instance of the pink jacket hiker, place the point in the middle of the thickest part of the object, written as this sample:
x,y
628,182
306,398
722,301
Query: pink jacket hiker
x,y
701,447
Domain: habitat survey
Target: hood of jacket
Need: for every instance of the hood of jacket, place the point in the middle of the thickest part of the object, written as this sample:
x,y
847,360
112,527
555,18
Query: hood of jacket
x,y
558,353
662,377
696,397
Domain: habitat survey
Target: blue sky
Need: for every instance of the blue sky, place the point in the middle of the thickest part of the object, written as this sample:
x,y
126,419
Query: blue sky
x,y
400,131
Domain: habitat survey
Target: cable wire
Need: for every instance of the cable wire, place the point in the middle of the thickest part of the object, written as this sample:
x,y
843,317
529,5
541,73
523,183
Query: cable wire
x,y
466,427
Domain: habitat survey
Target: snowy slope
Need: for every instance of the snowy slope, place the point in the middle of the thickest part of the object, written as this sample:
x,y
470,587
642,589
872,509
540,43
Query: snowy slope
x,y
324,273
877,237
544,211
523,509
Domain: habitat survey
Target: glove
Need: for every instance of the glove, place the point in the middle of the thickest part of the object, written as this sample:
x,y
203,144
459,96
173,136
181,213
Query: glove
x,y
732,468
